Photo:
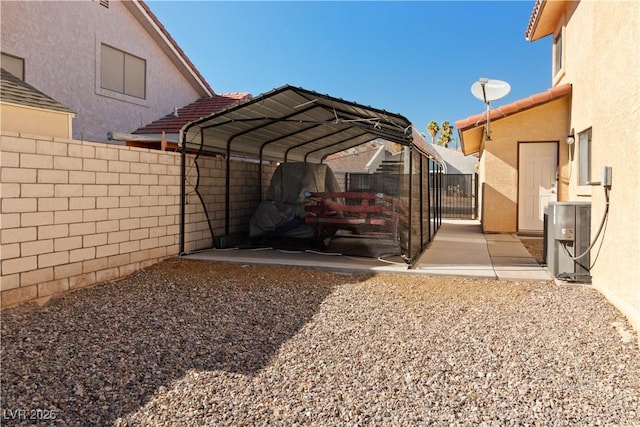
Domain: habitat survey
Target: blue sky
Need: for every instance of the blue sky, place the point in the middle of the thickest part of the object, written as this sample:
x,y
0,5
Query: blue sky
x,y
417,58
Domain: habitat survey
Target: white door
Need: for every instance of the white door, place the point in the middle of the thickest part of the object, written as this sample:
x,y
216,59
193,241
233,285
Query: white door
x,y
537,183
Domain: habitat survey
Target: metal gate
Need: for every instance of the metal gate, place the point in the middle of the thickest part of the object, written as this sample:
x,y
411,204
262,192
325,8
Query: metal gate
x,y
459,196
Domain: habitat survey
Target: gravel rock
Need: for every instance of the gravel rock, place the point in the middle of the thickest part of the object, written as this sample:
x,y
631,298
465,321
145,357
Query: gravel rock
x,y
198,343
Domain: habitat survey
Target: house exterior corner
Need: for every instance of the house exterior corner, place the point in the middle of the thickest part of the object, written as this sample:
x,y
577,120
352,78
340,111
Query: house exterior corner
x,y
595,49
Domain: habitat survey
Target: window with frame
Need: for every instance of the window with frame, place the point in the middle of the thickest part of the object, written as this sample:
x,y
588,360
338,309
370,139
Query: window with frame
x,y
584,157
13,64
122,72
557,60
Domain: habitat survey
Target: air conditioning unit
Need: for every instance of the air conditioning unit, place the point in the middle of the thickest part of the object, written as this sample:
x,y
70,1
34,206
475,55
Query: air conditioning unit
x,y
567,236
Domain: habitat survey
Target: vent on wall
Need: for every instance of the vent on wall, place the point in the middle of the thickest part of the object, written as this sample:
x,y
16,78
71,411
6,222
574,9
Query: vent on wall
x,y
104,3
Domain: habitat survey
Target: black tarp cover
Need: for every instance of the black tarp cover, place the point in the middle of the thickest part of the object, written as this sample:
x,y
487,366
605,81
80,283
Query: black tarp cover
x,y
282,213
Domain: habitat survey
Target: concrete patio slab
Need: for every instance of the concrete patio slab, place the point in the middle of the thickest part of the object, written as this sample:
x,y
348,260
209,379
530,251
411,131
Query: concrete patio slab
x,y
507,249
501,238
513,261
459,249
523,273
311,259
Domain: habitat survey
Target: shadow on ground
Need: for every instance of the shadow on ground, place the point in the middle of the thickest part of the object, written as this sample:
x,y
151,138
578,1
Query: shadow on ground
x,y
96,354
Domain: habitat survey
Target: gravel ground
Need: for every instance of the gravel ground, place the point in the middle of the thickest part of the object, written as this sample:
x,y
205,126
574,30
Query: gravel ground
x,y
197,343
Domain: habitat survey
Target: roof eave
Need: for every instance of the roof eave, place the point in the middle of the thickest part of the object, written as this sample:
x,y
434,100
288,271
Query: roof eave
x,y
545,17
534,19
64,111
471,140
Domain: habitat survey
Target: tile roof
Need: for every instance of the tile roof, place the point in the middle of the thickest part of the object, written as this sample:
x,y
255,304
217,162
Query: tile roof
x,y
16,91
200,108
545,16
515,107
174,44
533,20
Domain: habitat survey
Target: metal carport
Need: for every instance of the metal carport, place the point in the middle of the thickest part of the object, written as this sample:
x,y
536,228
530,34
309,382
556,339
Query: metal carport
x,y
292,124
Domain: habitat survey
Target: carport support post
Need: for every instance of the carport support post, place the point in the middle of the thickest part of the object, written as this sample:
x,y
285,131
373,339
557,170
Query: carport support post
x,y
227,193
439,195
411,254
422,243
429,184
183,169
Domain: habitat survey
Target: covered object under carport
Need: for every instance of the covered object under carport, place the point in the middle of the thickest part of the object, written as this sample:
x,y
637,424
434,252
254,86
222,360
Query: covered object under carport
x,y
291,124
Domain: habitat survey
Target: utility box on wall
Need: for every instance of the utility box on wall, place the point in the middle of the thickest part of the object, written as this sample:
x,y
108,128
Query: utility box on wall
x,y
567,236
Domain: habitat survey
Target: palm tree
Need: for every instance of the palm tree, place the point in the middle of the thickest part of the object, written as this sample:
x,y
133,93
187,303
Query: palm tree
x,y
445,136
433,129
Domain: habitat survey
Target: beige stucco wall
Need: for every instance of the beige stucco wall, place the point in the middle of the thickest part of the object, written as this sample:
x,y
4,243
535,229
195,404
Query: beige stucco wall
x,y
35,121
498,170
60,43
602,61
77,213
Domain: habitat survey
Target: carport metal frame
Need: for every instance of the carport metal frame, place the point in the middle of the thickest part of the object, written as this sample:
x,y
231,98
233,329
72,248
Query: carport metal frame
x,y
295,124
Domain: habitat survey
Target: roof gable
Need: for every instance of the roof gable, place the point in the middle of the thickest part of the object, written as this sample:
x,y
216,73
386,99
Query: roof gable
x,y
161,36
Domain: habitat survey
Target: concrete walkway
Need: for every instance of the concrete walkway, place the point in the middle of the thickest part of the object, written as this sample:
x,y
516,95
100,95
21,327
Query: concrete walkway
x,y
459,249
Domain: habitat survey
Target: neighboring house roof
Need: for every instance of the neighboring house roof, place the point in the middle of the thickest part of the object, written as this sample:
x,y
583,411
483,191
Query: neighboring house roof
x,y
355,162
172,123
457,162
169,45
16,91
515,107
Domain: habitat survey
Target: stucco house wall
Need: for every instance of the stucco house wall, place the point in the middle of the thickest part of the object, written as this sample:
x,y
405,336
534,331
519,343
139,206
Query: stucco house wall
x,y
601,60
498,171
60,44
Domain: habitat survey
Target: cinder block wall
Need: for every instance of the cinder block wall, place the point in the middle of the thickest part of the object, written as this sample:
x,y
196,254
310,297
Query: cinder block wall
x,y
246,191
78,213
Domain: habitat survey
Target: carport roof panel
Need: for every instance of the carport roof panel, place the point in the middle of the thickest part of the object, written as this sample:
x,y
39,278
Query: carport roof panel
x,y
295,124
